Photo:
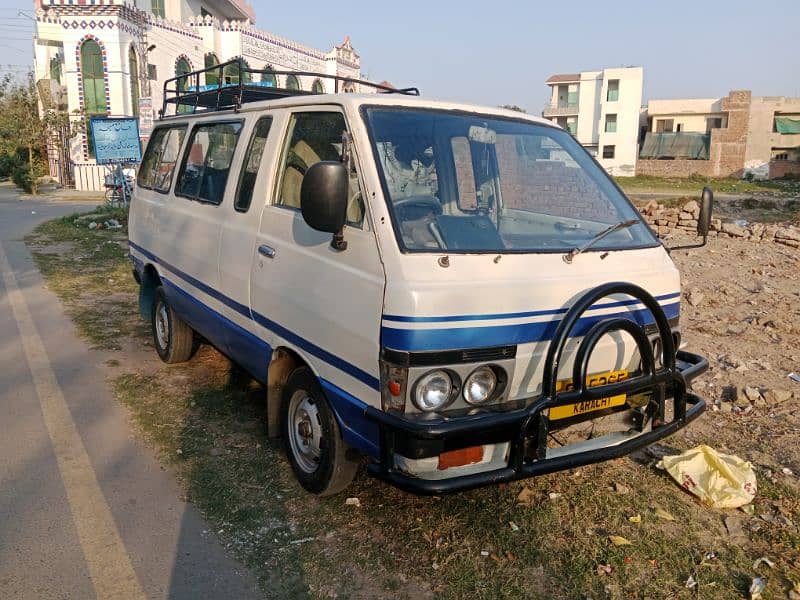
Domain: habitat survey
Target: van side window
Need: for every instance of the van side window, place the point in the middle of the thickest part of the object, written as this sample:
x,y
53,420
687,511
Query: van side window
x,y
207,161
252,160
313,137
160,157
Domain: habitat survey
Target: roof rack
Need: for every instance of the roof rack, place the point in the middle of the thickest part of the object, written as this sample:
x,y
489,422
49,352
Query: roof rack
x,y
189,93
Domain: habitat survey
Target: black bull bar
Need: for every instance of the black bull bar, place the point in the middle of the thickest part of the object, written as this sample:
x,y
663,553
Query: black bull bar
x,y
527,429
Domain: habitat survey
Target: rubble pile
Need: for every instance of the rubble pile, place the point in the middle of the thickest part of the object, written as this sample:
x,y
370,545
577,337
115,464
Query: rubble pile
x,y
665,220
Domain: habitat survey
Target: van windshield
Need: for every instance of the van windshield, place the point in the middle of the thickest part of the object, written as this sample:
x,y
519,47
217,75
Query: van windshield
x,y
463,182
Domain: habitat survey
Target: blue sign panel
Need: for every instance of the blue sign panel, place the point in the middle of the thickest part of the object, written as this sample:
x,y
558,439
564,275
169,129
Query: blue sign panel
x,y
116,140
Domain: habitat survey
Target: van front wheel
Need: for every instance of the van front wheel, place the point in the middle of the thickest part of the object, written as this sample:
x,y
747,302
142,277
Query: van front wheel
x,y
174,339
311,437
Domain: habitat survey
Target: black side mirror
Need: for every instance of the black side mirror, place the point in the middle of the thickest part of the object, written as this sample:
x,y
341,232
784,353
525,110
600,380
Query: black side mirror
x,y
323,199
706,208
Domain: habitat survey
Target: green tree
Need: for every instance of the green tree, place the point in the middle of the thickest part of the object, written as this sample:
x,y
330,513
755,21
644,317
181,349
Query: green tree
x,y
513,107
23,131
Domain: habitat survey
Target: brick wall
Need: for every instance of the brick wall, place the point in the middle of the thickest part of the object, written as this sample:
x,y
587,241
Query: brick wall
x,y
779,168
547,186
674,168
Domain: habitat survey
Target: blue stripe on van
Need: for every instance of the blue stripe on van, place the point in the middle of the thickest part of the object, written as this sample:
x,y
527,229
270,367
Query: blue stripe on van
x,y
517,315
420,340
333,360
249,351
358,431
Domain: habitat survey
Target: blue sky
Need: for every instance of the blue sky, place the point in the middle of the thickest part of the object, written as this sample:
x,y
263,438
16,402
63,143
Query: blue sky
x,y
501,52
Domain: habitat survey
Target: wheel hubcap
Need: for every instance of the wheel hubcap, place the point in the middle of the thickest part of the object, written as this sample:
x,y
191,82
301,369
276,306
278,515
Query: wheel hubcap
x,y
305,432
162,325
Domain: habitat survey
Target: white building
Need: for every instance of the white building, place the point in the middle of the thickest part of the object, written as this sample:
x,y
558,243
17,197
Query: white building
x,y
601,109
111,58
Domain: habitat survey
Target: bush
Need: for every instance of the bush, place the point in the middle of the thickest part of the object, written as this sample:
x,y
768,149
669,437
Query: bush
x,y
8,162
23,178
749,176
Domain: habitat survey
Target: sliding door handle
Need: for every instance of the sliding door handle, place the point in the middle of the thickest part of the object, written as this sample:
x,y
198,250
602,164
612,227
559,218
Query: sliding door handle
x,y
267,251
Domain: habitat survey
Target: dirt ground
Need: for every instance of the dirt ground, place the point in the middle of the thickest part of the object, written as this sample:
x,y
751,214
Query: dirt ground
x,y
741,309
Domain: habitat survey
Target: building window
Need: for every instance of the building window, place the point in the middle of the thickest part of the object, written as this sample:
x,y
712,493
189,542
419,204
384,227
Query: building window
x,y
678,127
781,156
212,77
157,7
182,68
133,70
713,123
317,87
94,86
268,77
608,151
152,72
572,125
572,98
664,125
292,83
55,69
612,95
611,124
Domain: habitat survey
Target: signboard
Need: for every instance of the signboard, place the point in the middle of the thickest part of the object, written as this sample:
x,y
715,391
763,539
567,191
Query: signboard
x,y
116,140
145,117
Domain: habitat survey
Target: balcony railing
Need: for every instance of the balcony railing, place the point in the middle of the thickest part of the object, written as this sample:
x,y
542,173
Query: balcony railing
x,y
560,109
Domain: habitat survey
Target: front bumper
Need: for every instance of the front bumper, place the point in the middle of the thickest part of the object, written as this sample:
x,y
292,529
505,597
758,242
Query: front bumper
x,y
526,430
419,438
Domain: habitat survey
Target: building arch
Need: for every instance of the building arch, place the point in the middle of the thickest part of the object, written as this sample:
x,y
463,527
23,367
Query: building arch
x,y
183,66
292,83
93,79
232,72
317,86
268,76
212,77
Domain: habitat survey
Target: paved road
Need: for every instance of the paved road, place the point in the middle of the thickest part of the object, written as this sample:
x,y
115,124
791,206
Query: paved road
x,y
85,509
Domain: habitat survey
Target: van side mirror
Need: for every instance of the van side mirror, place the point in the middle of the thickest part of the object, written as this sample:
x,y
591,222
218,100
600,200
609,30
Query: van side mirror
x,y
706,208
703,220
323,199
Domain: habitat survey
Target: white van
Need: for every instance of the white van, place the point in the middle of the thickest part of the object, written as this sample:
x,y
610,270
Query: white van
x,y
417,282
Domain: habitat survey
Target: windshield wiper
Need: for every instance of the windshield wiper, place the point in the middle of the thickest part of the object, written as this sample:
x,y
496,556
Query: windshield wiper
x,y
589,243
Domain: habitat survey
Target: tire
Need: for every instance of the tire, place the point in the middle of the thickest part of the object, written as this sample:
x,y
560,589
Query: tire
x,y
174,340
311,437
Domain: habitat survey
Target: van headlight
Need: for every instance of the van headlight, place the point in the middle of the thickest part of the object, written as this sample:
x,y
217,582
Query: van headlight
x,y
480,385
433,390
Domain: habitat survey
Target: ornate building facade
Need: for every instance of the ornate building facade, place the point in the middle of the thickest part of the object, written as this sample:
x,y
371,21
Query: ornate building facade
x,y
111,58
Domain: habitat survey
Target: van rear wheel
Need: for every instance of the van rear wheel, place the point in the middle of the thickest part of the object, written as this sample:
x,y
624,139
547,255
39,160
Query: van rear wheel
x,y
311,437
174,340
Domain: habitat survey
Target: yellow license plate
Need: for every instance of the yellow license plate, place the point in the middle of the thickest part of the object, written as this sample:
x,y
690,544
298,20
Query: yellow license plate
x,y
581,408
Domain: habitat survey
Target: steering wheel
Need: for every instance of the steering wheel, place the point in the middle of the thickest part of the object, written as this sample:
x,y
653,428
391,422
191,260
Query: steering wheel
x,y
430,201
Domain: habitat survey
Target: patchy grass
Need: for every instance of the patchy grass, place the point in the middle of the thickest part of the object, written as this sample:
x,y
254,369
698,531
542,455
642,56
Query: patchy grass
x,y
89,271
694,184
207,421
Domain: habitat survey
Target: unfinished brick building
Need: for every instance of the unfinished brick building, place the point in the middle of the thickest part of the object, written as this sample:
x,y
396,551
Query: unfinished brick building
x,y
721,137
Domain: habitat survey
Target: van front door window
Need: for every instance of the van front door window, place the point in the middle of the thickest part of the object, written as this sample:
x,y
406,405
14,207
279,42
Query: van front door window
x,y
314,137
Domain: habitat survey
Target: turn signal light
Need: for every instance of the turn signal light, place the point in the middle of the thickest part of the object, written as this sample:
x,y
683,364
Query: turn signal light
x,y
460,457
